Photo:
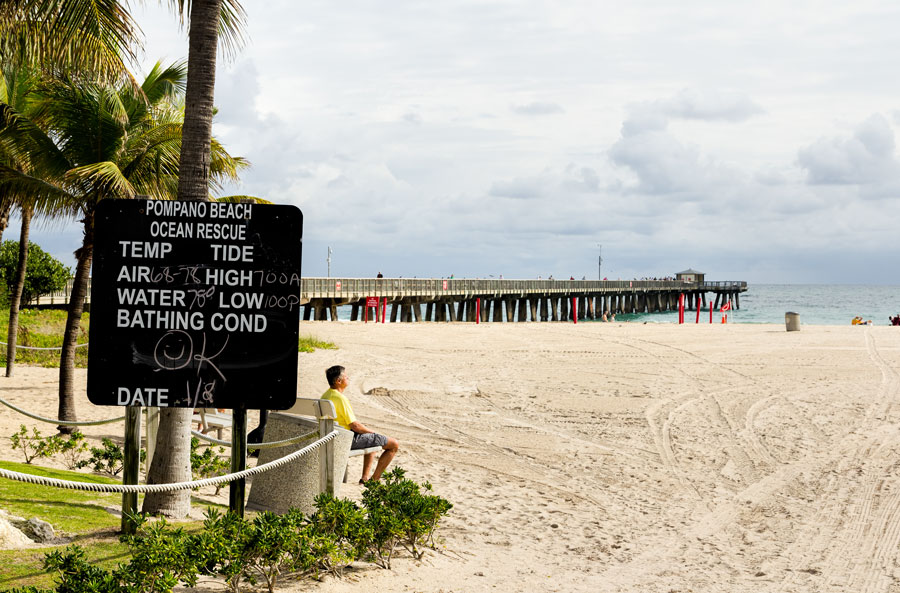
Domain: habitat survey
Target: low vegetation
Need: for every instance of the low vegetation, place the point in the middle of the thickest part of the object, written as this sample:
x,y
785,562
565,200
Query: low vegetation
x,y
44,274
397,515
88,518
311,344
43,328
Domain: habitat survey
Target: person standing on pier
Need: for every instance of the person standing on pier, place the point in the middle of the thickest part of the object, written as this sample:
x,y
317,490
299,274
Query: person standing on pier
x,y
363,437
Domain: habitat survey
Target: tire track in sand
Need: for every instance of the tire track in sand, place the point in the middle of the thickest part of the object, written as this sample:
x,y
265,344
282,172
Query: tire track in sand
x,y
862,539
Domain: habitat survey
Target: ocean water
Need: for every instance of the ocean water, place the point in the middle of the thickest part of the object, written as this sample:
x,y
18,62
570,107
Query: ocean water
x,y
817,304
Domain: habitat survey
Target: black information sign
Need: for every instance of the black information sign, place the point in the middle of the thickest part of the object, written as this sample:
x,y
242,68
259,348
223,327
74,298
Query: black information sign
x,y
195,304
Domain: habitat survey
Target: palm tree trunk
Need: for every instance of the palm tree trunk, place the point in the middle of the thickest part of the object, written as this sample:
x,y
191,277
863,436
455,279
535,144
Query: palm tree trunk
x,y
73,322
15,300
193,170
6,205
172,462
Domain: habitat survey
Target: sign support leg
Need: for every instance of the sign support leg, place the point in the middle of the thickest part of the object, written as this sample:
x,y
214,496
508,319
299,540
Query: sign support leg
x,y
238,459
131,465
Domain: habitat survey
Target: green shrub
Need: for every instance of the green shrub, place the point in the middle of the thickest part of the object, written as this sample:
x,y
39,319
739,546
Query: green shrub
x,y
108,458
72,447
225,538
397,514
32,446
347,524
400,514
77,575
161,557
43,275
209,463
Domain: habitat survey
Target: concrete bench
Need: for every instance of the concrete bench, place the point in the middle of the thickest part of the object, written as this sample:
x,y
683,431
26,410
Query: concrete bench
x,y
297,483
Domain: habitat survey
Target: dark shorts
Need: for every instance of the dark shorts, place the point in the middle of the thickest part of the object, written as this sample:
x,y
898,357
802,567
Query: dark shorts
x,y
368,439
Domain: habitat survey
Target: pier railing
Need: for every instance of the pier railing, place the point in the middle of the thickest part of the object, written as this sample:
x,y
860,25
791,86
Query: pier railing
x,y
356,288
352,288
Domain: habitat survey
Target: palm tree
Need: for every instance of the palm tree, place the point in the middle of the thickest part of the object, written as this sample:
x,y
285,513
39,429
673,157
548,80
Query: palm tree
x,y
208,20
15,84
92,141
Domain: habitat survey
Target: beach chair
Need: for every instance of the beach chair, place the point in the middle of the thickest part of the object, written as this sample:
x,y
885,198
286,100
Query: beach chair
x,y
211,420
357,453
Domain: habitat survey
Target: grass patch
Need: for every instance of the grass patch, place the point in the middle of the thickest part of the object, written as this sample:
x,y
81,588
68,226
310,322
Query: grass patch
x,y
20,568
311,344
72,511
43,328
81,514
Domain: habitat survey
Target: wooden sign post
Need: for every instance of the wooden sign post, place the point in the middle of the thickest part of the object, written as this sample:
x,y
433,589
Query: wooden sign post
x,y
195,305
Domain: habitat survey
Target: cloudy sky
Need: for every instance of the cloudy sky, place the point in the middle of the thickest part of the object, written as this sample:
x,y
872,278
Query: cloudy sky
x,y
750,140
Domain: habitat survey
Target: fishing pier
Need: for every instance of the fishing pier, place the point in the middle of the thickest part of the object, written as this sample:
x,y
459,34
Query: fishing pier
x,y
436,299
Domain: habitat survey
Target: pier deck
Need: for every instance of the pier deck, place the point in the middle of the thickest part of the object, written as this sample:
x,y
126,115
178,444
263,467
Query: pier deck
x,y
450,299
507,300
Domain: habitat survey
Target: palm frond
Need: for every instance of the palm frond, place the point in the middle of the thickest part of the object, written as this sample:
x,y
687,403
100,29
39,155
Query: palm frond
x,y
93,37
29,146
46,198
165,83
236,199
102,180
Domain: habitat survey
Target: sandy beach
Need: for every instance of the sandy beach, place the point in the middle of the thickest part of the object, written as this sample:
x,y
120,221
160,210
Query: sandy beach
x,y
618,457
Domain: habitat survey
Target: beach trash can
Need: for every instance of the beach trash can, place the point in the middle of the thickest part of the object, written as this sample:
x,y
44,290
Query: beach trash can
x,y
792,322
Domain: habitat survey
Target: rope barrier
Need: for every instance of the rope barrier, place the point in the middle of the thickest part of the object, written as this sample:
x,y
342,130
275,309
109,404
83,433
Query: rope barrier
x,y
47,348
60,422
56,483
252,446
200,435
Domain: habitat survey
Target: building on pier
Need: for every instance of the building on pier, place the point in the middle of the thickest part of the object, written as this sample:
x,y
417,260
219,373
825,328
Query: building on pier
x,y
690,275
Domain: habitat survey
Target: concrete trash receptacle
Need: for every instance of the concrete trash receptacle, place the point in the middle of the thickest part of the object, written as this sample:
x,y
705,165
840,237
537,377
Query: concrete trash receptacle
x,y
295,484
792,322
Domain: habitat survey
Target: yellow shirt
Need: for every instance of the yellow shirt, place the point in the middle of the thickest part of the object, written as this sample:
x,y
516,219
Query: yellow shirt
x,y
342,407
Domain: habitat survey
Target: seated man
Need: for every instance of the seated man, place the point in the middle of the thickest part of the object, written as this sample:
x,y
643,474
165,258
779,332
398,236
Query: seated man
x,y
363,437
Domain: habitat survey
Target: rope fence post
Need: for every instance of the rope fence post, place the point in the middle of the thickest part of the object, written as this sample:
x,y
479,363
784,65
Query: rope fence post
x,y
131,465
326,456
151,426
237,488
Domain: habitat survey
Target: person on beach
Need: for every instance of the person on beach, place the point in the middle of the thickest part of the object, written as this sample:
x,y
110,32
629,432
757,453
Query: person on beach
x,y
363,437
605,316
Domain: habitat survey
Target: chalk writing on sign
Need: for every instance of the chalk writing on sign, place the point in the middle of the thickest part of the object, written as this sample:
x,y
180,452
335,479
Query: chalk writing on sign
x,y
195,304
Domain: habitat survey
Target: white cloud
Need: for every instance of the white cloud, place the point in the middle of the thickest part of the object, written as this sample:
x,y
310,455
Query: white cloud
x,y
537,108
865,158
469,137
711,106
663,163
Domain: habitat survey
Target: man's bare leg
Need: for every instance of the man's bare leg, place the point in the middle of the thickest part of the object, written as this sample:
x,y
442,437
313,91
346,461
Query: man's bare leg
x,y
390,449
368,458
